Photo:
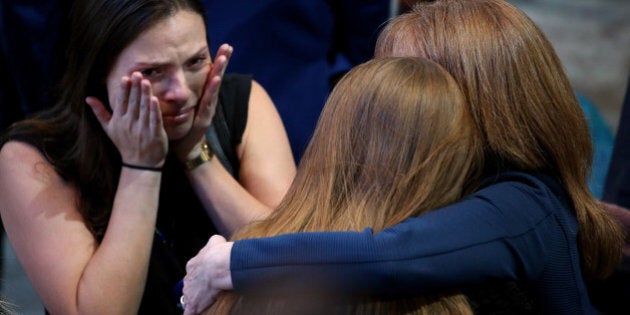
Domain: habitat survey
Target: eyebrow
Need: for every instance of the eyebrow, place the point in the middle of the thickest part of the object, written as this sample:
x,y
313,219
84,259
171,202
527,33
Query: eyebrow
x,y
141,65
159,64
202,51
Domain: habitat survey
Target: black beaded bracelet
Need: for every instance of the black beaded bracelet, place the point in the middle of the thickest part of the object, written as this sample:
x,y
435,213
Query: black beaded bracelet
x,y
143,168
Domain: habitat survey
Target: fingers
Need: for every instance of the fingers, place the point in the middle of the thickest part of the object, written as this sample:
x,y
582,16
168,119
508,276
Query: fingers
x,y
198,289
136,101
216,239
135,123
221,59
101,113
145,102
123,95
213,241
155,115
210,97
135,95
218,69
213,83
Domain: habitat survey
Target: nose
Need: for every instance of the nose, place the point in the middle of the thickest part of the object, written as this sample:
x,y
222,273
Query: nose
x,y
177,89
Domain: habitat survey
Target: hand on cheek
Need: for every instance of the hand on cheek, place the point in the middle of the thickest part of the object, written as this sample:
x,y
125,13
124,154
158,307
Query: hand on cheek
x,y
190,146
135,123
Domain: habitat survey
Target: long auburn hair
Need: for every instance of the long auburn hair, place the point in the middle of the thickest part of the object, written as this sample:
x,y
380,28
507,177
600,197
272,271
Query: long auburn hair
x,y
68,134
520,97
393,141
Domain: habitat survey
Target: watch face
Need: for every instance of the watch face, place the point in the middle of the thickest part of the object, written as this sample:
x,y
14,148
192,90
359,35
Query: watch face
x,y
206,150
205,156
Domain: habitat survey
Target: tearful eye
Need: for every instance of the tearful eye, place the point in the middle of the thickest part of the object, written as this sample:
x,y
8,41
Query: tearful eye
x,y
149,72
198,61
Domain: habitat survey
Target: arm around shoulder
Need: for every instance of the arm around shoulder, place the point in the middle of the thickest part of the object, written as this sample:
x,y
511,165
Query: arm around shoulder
x,y
467,242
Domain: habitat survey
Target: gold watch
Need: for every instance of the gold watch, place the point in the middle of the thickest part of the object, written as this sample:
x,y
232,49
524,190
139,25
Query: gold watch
x,y
205,156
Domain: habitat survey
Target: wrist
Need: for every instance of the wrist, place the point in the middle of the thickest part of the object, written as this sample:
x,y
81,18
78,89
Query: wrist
x,y
200,155
228,284
142,167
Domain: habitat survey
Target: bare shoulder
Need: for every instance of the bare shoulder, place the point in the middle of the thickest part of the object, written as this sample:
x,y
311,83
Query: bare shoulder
x,y
27,178
264,127
261,116
42,221
15,151
20,158
257,88
258,97
265,142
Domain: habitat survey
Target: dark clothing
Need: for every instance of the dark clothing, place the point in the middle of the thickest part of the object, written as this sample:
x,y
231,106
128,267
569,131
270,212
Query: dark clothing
x,y
296,49
612,296
617,189
31,50
183,226
516,227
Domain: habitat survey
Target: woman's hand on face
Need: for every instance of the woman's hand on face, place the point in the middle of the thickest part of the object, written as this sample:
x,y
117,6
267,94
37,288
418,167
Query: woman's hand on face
x,y
135,123
207,274
189,147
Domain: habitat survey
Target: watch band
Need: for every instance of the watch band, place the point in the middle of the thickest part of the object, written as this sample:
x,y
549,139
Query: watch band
x,y
205,156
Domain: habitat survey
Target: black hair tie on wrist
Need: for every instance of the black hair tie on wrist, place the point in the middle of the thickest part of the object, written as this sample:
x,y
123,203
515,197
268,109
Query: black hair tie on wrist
x,y
142,168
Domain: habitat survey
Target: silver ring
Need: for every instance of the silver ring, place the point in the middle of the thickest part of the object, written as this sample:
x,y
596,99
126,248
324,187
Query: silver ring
x,y
181,302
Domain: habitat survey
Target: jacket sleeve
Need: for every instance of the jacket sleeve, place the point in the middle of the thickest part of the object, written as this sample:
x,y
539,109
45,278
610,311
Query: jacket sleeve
x,y
498,232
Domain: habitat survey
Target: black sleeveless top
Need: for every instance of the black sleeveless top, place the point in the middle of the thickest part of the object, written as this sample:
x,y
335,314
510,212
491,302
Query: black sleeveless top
x,y
183,226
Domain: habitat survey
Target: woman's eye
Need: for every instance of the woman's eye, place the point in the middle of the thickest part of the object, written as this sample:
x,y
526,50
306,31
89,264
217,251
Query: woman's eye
x,y
198,61
147,73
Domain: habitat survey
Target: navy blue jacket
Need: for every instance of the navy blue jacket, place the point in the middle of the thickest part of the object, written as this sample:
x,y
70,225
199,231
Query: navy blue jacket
x,y
516,227
613,295
617,188
31,49
296,48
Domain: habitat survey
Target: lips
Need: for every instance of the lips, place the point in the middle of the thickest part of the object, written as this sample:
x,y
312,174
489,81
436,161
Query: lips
x,y
179,116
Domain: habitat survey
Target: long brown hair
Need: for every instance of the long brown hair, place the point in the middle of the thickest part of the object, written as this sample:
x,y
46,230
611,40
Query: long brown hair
x,y
520,97
394,141
68,134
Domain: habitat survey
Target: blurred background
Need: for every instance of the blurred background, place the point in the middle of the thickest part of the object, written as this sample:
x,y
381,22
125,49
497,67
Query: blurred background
x,y
592,38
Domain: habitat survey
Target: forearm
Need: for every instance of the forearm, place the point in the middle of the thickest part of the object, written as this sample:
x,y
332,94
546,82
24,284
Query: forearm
x,y
117,270
361,263
227,203
498,234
